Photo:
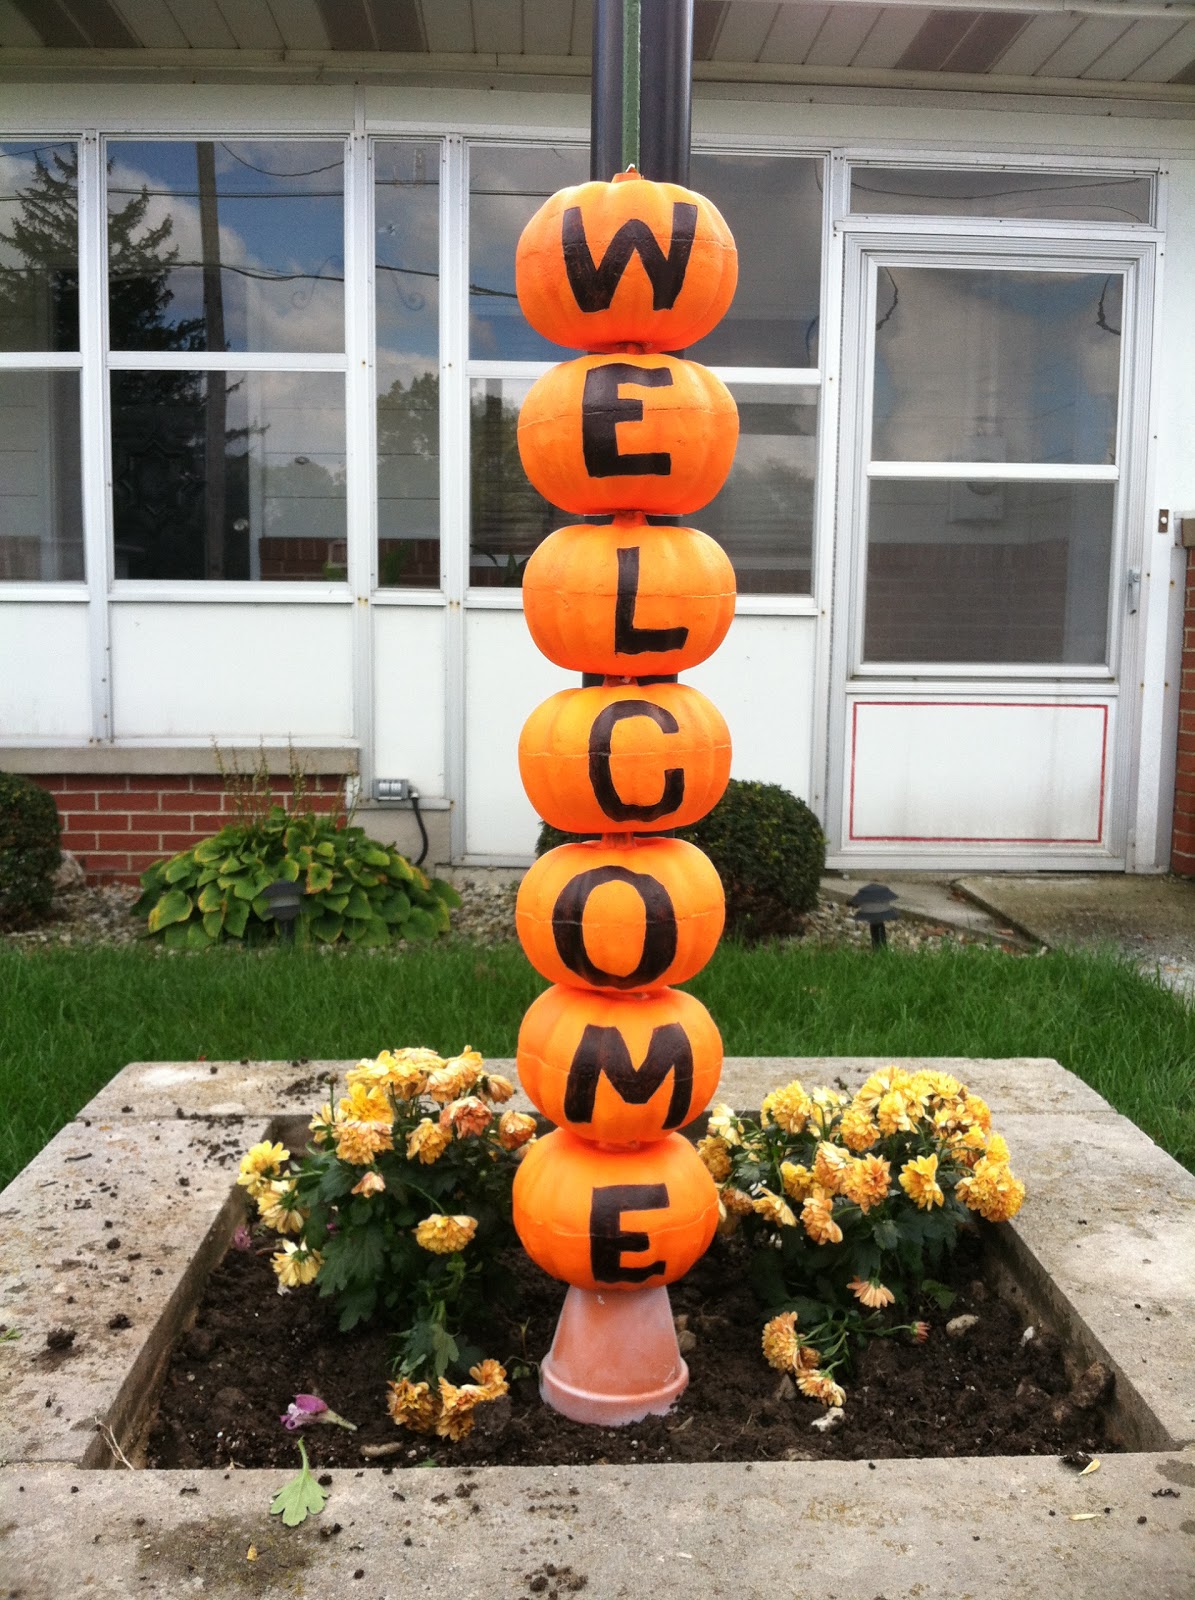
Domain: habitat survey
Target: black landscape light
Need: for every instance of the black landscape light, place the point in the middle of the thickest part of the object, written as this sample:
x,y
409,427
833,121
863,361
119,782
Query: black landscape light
x,y
284,899
875,904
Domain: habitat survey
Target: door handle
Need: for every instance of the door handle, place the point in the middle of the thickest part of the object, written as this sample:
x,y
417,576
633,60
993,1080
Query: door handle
x,y
1133,579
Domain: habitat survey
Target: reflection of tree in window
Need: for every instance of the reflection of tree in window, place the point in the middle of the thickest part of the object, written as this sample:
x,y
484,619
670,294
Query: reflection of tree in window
x,y
508,517
39,289
409,426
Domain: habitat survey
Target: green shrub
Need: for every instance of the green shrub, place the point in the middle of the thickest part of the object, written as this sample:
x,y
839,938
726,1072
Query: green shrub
x,y
29,853
353,888
770,853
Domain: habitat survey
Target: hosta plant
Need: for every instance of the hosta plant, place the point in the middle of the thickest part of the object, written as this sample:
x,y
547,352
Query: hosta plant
x,y
399,1209
851,1204
353,888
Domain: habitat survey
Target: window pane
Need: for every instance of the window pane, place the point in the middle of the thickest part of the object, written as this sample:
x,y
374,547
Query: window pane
x,y
507,186
1066,196
507,517
773,207
407,234
231,245
993,572
41,514
229,475
994,365
39,247
764,516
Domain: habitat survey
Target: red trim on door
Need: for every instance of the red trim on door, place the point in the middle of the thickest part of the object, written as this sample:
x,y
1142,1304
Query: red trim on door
x,y
1020,705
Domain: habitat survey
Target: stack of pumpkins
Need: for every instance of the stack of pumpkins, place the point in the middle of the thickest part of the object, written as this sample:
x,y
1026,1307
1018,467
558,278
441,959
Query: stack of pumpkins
x,y
627,270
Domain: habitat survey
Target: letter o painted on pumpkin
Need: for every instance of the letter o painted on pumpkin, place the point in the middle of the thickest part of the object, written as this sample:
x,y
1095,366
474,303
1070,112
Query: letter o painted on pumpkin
x,y
628,600
620,917
626,262
619,1068
644,433
625,758
614,1219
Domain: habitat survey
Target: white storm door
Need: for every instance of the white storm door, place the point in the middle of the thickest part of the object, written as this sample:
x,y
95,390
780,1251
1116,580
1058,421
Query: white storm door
x,y
990,520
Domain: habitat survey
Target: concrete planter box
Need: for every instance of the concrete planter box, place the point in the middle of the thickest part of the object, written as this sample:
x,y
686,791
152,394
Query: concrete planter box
x,y
98,1227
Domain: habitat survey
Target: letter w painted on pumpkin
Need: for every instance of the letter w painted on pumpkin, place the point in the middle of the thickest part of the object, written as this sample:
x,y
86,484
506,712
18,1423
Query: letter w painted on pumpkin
x,y
604,1050
594,286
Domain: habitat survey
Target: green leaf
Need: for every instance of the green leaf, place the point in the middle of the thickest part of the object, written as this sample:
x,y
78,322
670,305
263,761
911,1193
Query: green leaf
x,y
326,850
197,937
375,857
176,937
300,1498
358,905
334,902
210,849
328,928
235,918
319,878
396,907
420,925
174,906
213,923
376,932
211,898
445,892
885,1234
179,867
337,1180
939,1292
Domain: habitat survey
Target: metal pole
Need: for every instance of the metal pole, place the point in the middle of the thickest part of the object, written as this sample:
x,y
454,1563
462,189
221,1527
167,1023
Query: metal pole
x,y
662,97
665,89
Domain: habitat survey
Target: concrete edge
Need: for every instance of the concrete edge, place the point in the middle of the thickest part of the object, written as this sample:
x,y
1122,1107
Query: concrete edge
x,y
154,760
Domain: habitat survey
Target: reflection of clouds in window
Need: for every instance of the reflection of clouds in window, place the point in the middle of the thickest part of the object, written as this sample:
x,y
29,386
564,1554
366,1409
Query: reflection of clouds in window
x,y
280,239
978,192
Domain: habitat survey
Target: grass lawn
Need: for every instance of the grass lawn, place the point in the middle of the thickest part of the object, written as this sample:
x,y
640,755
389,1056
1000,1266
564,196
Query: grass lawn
x,y
70,1019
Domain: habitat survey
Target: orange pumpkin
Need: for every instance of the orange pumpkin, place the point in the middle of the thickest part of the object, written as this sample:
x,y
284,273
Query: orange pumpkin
x,y
619,1068
628,433
625,758
614,1219
628,600
626,262
639,915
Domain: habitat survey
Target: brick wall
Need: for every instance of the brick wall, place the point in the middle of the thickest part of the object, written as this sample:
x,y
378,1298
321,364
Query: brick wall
x,y
119,826
1182,854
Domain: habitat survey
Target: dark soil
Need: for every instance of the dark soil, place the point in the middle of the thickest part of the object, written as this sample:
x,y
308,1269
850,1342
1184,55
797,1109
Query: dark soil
x,y
989,1392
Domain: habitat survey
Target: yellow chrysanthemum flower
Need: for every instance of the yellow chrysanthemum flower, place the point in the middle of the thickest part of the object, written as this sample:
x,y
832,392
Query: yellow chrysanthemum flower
x,y
366,1102
866,1181
724,1125
412,1405
818,1218
992,1190
780,1342
870,1293
490,1376
817,1386
736,1202
295,1265
261,1163
515,1128
496,1088
889,1080
468,1118
428,1142
829,1165
443,1235
279,1209
457,1405
896,1113
320,1125
856,1129
370,1183
997,1149
919,1180
797,1180
789,1108
358,1142
773,1209
715,1153
938,1086
976,1110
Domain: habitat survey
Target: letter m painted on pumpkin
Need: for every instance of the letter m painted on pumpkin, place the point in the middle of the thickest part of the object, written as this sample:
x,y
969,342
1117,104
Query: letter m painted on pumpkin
x,y
603,1050
594,286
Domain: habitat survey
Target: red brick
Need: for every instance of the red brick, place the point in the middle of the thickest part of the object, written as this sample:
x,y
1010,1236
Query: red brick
x,y
171,843
170,800
205,823
118,801
113,820
126,841
108,863
147,821
77,842
205,785
83,781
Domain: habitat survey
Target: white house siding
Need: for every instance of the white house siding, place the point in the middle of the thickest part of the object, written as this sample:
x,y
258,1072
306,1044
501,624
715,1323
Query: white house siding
x,y
434,687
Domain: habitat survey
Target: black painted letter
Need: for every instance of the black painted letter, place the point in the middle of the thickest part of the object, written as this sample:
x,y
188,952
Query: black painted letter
x,y
603,408
628,639
601,735
659,932
593,286
608,1242
605,1050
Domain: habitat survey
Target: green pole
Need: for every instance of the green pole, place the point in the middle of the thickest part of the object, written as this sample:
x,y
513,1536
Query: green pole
x,y
630,83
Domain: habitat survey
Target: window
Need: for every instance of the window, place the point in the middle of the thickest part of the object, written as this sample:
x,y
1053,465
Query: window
x,y
41,514
227,469
981,192
407,321
766,349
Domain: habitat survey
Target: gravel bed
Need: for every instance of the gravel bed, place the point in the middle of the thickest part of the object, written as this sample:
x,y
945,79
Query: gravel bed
x,y
88,914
